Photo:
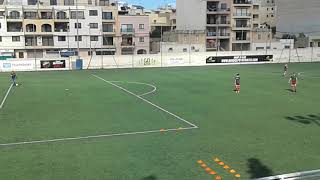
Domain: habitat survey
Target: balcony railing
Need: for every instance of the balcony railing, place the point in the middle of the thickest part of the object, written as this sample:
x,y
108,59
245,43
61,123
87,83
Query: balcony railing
x,y
127,44
60,30
219,23
127,30
242,14
218,10
214,34
242,26
14,17
108,30
241,39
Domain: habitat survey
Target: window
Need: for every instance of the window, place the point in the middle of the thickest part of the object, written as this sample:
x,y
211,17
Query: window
x,y
21,55
30,15
68,2
259,48
78,38
32,2
46,28
267,15
287,46
14,15
107,41
74,14
94,38
107,15
77,25
259,36
0,38
107,27
103,2
0,25
93,13
224,6
272,9
141,26
47,41
271,15
267,9
89,53
90,2
126,28
170,49
242,12
184,50
53,2
15,38
61,38
141,39
93,25
2,13
318,44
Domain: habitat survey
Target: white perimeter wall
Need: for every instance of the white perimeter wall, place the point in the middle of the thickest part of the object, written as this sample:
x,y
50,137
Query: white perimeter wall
x,y
175,59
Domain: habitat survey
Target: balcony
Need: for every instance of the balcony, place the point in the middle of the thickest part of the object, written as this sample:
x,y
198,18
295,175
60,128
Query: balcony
x,y
218,23
108,19
215,35
242,2
241,40
242,15
108,31
127,31
245,27
218,11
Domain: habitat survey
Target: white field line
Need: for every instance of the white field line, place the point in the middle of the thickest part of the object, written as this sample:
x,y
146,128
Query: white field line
x,y
150,85
5,97
94,136
143,99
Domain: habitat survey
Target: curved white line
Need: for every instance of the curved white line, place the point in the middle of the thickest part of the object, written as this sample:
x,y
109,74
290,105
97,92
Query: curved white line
x,y
150,85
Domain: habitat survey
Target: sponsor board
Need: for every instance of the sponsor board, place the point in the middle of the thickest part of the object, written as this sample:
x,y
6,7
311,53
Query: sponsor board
x,y
53,64
147,61
176,61
239,59
17,65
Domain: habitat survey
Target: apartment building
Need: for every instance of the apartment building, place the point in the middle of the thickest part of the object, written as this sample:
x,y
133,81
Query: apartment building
x,y
229,24
134,34
62,28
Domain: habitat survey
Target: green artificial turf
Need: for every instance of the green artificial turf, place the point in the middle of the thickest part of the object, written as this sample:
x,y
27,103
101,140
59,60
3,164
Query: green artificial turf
x,y
265,130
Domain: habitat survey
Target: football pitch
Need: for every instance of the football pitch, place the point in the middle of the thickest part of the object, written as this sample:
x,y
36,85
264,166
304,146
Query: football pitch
x,y
181,123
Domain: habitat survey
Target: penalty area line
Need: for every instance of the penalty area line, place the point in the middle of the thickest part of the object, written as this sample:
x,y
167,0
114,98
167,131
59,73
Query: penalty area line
x,y
5,97
145,100
93,136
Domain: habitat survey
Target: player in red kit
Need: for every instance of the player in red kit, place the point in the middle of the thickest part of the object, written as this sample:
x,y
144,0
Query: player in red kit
x,y
293,82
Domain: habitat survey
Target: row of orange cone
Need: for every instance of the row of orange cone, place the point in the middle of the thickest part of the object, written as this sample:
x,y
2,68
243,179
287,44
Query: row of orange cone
x,y
221,163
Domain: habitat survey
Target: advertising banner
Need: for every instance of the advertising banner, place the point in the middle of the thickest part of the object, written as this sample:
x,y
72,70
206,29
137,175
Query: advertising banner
x,y
10,65
53,64
238,59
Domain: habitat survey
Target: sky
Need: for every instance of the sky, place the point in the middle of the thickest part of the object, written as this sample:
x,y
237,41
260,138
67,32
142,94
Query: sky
x,y
150,4
299,16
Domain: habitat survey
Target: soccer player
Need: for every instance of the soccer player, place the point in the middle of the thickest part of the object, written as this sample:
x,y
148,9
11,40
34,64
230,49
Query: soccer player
x,y
13,78
285,69
293,82
237,83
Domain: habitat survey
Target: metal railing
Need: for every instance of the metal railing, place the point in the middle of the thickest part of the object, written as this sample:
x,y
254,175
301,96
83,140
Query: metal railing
x,y
242,14
122,30
219,23
214,34
218,10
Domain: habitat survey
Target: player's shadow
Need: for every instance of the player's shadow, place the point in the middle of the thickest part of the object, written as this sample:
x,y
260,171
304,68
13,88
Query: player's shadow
x,y
257,169
151,177
290,90
307,119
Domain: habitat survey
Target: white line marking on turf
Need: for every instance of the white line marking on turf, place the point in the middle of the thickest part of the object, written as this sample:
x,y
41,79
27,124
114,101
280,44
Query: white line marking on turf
x,y
143,99
150,85
95,136
5,97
